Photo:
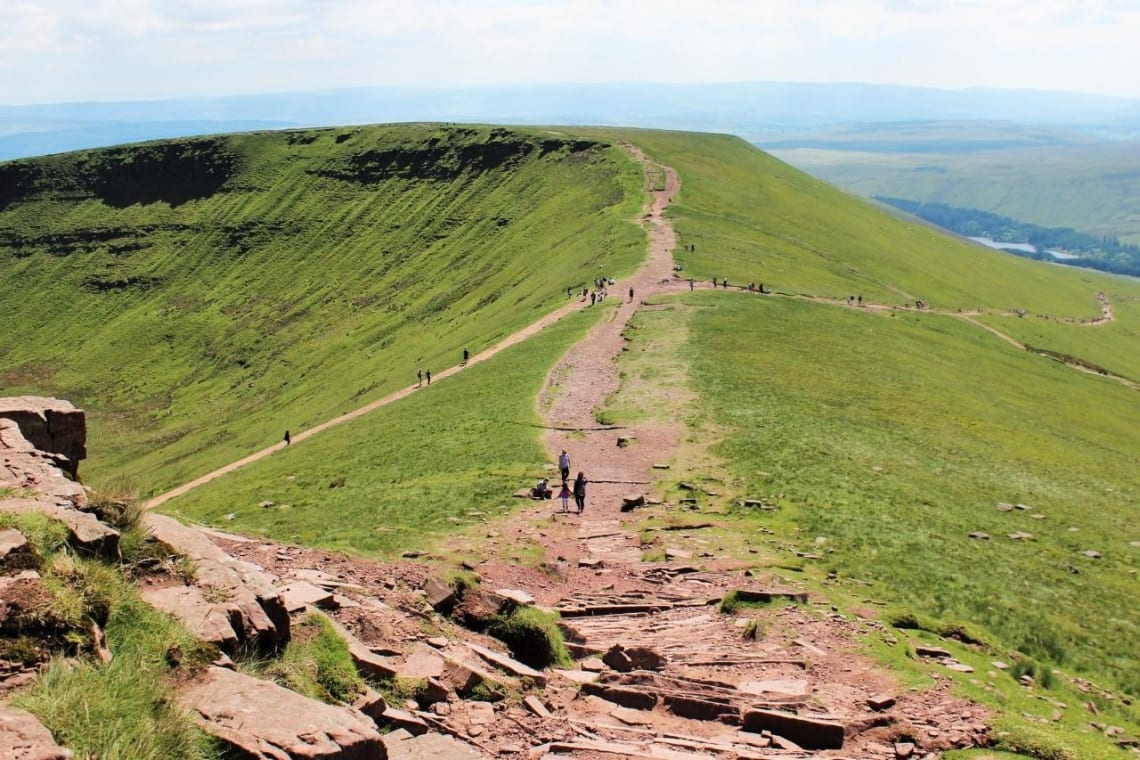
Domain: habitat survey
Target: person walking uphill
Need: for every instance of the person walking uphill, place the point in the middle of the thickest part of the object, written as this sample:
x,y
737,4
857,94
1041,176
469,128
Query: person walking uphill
x,y
564,465
564,494
580,491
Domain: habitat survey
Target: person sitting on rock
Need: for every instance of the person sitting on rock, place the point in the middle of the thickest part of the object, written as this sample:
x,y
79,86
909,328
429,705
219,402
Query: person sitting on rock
x,y
542,490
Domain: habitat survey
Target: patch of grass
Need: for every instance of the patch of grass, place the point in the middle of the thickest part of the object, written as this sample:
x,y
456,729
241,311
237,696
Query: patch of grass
x,y
315,663
125,710
533,636
733,603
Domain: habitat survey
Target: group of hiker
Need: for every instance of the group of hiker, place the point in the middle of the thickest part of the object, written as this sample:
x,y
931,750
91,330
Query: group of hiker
x,y
542,489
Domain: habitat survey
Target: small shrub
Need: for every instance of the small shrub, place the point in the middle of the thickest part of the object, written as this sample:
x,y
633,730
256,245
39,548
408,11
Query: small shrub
x,y
754,630
732,603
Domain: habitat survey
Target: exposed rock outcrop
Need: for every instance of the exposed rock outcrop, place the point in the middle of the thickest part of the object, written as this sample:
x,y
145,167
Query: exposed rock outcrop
x,y
37,481
233,601
50,425
23,737
261,720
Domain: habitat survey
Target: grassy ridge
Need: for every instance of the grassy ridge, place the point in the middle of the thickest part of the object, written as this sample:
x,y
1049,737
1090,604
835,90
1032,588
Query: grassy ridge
x,y
253,283
755,219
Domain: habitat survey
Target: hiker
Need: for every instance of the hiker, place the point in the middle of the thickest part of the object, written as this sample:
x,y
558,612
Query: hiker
x,y
593,297
580,491
564,494
631,295
429,377
564,464
465,355
542,490
726,283
692,284
288,440
860,300
569,292
419,377
714,283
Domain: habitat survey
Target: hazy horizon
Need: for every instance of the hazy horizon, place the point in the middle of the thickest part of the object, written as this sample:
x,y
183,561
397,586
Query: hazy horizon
x,y
74,51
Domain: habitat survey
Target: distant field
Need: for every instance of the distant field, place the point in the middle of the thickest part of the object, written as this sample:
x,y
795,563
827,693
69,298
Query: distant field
x,y
200,297
1091,188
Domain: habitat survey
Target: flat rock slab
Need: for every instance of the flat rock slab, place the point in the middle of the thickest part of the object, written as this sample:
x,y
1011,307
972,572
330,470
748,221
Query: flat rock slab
x,y
296,596
421,663
261,720
508,664
14,549
518,596
809,733
401,746
86,533
23,737
207,621
254,604
783,687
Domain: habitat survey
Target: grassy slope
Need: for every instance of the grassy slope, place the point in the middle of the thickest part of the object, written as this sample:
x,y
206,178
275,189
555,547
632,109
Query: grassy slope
x,y
1092,188
410,472
289,296
755,219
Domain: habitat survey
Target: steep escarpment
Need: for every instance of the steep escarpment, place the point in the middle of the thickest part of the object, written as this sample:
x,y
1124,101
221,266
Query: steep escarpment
x,y
201,296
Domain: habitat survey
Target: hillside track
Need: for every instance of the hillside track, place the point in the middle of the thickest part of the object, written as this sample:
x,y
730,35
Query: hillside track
x,y
595,574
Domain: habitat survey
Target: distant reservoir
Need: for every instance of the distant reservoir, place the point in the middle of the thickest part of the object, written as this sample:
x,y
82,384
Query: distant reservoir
x,y
1024,247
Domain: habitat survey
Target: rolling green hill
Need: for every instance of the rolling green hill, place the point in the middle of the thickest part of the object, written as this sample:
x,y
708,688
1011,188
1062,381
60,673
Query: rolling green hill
x,y
297,275
199,297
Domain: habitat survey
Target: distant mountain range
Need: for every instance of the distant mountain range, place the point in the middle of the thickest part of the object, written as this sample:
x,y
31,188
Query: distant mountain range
x,y
757,111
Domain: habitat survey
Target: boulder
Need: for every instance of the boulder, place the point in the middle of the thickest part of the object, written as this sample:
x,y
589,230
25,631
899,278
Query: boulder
x,y
263,721
632,502
208,621
50,425
440,596
23,737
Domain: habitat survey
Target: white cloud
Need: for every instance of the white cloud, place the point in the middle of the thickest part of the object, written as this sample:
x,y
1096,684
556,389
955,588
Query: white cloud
x,y
101,49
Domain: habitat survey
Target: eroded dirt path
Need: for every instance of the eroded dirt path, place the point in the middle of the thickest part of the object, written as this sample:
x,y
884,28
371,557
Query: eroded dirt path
x,y
698,665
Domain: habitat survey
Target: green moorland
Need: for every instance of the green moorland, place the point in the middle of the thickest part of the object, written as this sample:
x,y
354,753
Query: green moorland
x,y
198,297
1091,188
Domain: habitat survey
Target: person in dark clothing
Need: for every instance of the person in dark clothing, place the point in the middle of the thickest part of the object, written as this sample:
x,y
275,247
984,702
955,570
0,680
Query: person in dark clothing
x,y
419,377
631,295
564,465
428,373
465,356
288,440
580,491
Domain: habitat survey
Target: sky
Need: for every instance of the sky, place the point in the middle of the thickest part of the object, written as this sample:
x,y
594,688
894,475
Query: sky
x,y
81,50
